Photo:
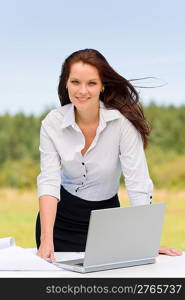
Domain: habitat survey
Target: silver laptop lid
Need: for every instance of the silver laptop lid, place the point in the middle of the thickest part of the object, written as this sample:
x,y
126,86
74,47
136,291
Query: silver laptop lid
x,y
124,234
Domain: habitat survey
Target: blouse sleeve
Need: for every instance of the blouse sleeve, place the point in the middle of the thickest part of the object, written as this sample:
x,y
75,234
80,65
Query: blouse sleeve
x,y
49,179
138,183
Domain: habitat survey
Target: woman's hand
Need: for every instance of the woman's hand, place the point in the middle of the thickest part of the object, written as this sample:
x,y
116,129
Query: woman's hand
x,y
46,250
169,251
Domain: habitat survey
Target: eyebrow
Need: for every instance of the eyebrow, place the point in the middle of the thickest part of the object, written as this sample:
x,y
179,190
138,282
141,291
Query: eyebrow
x,y
88,80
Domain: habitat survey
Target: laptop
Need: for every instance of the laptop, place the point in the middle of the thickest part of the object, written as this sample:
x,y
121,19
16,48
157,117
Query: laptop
x,y
120,237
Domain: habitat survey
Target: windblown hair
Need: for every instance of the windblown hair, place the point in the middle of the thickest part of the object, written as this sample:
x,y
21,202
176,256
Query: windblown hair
x,y
118,93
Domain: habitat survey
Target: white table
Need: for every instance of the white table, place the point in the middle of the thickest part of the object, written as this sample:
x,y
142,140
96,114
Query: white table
x,y
165,266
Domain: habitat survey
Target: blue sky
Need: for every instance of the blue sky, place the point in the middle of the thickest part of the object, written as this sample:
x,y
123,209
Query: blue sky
x,y
138,38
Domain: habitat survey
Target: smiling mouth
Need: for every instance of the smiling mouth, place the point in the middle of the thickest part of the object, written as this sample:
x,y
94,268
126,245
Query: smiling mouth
x,y
81,99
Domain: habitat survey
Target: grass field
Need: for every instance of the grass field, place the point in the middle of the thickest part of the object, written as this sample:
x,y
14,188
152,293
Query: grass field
x,y
18,211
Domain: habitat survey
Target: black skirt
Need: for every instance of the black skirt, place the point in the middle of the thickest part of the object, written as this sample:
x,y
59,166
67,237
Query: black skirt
x,y
72,221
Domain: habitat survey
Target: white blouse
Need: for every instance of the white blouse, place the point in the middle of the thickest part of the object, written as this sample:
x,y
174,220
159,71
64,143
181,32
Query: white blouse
x,y
117,147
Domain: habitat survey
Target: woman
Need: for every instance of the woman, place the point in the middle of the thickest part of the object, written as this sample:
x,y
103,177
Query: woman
x,y
99,132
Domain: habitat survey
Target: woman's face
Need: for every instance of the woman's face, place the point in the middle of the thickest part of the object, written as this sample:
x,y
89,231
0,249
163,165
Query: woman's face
x,y
84,86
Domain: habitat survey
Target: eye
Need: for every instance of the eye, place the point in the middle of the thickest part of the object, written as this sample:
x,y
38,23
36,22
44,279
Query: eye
x,y
92,83
74,81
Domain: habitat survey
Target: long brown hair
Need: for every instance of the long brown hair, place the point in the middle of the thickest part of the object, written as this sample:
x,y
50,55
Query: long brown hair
x,y
118,93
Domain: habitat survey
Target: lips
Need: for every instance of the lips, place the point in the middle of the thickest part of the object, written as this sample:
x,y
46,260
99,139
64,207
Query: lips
x,y
81,99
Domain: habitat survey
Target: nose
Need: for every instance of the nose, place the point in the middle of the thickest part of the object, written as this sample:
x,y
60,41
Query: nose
x,y
83,89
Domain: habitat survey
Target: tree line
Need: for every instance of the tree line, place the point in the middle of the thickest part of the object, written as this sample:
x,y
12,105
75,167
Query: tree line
x,y
19,147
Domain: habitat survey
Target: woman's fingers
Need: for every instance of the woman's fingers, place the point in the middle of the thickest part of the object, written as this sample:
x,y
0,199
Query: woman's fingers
x,y
47,254
169,251
52,257
174,251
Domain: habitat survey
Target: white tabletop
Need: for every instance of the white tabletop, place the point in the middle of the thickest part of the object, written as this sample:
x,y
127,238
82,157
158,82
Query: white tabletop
x,y
165,266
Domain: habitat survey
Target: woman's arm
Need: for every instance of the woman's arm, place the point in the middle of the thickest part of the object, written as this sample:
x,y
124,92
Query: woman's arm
x,y
47,207
48,182
49,179
138,183
135,170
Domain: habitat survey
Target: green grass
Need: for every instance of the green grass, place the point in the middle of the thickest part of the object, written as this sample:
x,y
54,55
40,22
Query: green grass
x,y
18,211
